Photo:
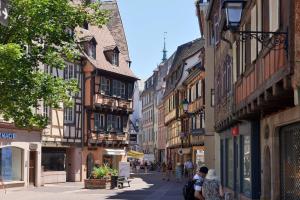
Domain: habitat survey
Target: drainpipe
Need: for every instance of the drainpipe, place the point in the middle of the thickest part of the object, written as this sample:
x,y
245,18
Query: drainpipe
x,y
82,117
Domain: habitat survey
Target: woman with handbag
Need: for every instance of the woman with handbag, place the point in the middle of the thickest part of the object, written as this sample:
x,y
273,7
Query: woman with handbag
x,y
212,188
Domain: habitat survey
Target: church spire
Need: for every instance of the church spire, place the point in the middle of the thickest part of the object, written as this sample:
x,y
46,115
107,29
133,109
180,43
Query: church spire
x,y
164,50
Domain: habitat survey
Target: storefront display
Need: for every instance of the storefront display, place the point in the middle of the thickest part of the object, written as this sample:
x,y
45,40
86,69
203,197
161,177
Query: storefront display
x,y
11,163
239,159
20,156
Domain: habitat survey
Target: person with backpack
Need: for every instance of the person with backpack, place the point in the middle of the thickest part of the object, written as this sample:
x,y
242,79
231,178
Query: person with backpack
x,y
193,189
199,177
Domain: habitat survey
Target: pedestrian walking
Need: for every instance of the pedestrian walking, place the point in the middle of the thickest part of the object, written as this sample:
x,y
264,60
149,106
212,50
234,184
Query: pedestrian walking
x,y
199,180
138,166
146,166
164,170
188,169
212,188
169,170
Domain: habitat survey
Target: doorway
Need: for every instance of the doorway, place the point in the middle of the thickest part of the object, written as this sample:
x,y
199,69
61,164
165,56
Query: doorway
x,y
32,164
290,162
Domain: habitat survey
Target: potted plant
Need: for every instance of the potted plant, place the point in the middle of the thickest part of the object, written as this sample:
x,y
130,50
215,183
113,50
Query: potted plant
x,y
114,178
99,178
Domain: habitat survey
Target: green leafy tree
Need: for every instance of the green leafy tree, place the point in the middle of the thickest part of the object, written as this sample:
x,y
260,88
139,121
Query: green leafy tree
x,y
40,26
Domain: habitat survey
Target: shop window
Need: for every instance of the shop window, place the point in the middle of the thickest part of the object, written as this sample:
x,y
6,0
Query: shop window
x,y
53,160
11,162
246,165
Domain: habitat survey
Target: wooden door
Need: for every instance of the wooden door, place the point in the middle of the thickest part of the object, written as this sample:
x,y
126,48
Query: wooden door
x,y
32,164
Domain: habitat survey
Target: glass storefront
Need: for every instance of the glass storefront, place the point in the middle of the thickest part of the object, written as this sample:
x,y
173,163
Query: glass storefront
x,y
11,159
54,159
230,162
246,166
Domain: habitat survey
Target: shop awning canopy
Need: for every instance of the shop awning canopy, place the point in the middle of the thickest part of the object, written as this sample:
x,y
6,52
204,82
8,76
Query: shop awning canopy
x,y
114,152
135,154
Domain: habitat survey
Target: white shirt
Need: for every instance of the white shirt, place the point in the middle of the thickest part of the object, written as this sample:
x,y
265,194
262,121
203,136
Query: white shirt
x,y
188,165
199,182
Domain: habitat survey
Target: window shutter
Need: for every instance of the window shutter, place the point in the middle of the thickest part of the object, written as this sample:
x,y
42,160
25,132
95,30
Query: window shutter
x,y
200,88
253,28
259,21
274,15
109,122
234,60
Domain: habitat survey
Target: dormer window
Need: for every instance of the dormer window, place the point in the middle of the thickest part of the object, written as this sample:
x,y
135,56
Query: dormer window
x,y
115,58
112,54
92,49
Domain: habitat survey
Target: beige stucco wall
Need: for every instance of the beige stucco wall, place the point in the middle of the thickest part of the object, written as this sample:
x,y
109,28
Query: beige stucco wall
x,y
274,122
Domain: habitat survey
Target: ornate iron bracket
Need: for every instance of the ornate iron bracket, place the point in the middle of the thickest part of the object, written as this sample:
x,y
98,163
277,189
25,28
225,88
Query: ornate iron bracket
x,y
270,40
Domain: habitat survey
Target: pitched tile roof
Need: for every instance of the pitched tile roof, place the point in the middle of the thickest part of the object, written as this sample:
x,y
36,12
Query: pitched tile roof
x,y
183,52
108,36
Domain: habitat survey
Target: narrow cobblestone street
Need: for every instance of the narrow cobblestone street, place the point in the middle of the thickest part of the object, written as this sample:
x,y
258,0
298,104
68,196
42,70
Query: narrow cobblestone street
x,y
143,186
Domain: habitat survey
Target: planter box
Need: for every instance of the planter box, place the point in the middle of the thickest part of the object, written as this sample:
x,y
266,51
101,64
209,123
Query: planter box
x,y
96,183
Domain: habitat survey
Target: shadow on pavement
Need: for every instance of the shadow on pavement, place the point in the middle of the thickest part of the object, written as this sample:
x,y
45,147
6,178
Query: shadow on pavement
x,y
155,189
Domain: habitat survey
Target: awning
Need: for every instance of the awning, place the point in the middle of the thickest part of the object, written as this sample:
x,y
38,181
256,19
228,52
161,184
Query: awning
x,y
114,152
135,154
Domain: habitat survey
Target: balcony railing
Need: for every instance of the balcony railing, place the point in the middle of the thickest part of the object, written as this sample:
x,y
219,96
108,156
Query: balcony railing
x,y
170,116
98,137
113,102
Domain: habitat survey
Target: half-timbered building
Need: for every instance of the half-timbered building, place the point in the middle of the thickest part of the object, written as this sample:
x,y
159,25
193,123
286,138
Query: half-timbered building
x,y
61,139
108,90
257,98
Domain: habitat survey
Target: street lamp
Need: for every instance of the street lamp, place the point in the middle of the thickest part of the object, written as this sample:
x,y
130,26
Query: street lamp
x,y
233,10
185,105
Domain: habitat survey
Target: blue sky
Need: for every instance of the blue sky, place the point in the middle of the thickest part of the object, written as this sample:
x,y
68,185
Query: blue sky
x,y
145,22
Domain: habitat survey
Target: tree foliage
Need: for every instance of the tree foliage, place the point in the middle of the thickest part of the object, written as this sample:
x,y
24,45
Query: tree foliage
x,y
41,26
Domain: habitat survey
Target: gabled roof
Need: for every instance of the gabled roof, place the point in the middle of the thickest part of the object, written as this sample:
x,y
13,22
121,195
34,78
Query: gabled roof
x,y
183,52
110,36
115,26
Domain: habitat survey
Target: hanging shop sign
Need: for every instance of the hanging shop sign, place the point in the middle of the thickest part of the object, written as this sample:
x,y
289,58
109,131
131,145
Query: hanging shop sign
x,y
7,136
235,131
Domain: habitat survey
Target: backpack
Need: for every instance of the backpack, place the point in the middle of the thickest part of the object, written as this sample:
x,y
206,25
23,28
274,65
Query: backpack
x,y
189,190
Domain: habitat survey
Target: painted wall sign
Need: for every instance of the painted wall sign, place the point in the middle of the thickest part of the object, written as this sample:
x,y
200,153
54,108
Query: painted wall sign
x,y
8,136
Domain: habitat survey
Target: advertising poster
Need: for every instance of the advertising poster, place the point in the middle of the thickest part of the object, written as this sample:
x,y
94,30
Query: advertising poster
x,y
6,161
124,169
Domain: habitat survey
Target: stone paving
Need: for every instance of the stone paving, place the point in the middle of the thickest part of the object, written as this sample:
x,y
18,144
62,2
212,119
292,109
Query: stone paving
x,y
143,187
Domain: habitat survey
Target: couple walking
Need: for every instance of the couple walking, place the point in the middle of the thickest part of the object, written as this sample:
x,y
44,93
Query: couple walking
x,y
206,186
